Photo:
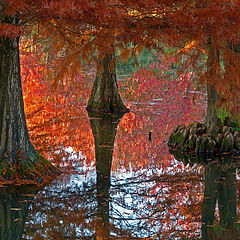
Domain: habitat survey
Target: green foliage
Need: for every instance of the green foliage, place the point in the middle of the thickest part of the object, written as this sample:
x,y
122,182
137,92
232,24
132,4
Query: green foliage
x,y
235,129
218,230
147,58
222,114
134,64
226,119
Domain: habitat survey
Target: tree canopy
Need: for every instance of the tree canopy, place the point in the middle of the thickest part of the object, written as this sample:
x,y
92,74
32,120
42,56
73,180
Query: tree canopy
x,y
91,29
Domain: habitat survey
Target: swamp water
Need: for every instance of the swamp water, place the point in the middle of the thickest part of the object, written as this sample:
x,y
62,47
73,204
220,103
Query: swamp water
x,y
119,180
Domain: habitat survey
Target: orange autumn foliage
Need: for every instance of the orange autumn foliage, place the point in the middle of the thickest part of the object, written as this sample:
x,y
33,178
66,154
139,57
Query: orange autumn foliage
x,y
91,29
52,113
128,26
57,119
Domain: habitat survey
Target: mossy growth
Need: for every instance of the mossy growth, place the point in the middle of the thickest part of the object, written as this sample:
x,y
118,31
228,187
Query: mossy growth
x,y
37,171
200,139
228,120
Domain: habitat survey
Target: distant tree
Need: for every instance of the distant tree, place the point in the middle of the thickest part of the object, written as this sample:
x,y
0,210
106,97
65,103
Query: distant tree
x,y
105,96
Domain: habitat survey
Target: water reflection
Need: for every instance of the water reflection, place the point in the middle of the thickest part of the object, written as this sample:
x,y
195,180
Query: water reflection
x,y
220,194
220,189
14,209
104,130
151,194
98,202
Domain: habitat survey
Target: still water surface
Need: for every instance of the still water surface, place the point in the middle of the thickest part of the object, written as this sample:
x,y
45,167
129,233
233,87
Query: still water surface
x,y
119,180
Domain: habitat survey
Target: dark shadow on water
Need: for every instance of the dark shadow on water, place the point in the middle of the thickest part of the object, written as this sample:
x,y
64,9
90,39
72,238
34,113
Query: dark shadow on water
x,y
220,192
220,187
104,128
14,207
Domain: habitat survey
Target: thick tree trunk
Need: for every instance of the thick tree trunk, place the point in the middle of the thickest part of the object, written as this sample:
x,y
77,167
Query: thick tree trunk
x,y
213,57
16,151
105,96
212,98
14,137
212,117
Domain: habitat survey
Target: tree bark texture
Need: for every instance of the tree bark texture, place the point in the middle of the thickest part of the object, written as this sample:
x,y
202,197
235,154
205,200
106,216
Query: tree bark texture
x,y
14,137
212,117
212,98
105,97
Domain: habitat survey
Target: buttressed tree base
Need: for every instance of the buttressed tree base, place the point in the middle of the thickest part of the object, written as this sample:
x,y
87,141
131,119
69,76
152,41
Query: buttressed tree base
x,y
19,161
105,97
199,138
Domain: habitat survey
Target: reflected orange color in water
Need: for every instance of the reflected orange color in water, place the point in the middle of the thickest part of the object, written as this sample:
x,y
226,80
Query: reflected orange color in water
x,y
56,117
158,104
58,125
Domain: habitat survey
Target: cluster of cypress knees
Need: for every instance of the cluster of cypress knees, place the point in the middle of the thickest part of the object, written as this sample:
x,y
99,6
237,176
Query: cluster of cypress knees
x,y
197,137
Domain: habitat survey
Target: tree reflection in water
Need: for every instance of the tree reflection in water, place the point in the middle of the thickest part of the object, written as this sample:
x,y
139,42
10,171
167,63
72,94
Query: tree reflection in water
x,y
104,130
220,194
221,188
14,207
155,203
113,209
151,194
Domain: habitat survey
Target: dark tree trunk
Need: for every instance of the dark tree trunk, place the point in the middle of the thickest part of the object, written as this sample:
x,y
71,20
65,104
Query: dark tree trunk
x,y
14,137
212,117
104,131
212,98
105,96
16,150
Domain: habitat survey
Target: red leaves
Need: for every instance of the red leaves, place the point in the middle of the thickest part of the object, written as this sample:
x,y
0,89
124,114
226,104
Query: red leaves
x,y
9,30
158,100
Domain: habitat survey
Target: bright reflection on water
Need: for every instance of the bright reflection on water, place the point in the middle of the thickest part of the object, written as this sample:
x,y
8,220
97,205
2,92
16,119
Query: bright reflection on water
x,y
118,182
